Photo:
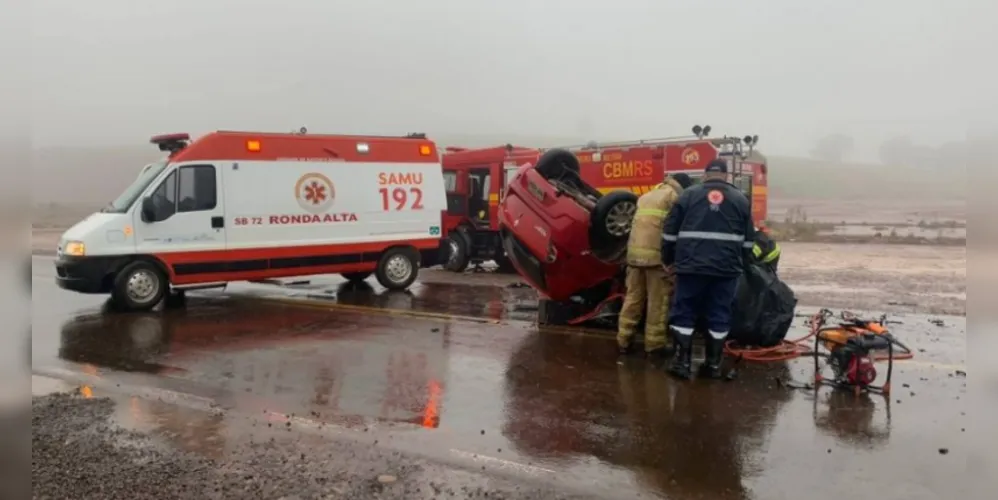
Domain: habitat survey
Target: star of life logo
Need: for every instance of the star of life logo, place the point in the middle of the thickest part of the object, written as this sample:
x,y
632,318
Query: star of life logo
x,y
315,193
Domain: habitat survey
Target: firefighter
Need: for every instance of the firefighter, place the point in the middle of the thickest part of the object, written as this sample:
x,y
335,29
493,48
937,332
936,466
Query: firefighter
x,y
649,285
708,240
766,251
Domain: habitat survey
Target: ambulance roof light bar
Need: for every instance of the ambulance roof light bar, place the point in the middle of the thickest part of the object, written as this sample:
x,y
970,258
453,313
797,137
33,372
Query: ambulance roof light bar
x,y
171,142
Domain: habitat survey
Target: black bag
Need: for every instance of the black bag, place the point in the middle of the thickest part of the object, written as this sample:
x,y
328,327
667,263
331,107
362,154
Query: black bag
x,y
763,310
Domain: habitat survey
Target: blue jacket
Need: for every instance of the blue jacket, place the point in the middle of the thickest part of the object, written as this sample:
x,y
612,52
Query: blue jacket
x,y
709,231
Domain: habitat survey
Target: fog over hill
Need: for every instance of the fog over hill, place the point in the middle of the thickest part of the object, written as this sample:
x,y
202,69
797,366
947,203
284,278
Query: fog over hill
x,y
96,175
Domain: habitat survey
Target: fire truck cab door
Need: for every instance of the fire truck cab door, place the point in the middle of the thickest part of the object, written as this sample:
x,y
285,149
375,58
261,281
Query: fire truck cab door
x,y
479,184
188,212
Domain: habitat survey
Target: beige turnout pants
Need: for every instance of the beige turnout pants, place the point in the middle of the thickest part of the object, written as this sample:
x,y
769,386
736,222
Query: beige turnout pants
x,y
649,290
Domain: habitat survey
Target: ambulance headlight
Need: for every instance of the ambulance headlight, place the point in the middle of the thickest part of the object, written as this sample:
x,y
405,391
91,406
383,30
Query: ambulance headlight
x,y
74,248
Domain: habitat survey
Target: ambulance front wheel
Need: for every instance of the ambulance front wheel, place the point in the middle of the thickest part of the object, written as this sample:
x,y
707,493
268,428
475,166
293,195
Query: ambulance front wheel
x,y
398,268
139,286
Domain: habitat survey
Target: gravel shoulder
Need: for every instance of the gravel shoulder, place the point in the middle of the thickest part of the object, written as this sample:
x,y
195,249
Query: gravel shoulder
x,y
79,451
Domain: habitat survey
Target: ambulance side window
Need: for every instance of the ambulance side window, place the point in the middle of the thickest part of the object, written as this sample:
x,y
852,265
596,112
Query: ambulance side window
x,y
165,198
197,188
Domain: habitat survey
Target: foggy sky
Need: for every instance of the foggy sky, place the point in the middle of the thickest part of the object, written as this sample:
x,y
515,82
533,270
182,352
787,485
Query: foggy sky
x,y
113,72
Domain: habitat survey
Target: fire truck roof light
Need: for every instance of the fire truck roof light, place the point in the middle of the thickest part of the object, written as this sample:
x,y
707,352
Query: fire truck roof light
x,y
425,149
363,147
253,146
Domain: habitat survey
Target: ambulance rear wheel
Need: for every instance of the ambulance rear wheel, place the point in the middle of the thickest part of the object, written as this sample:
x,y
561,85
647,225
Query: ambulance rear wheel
x,y
139,286
355,277
398,268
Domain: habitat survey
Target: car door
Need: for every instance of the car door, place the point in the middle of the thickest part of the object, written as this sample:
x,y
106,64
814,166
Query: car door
x,y
188,216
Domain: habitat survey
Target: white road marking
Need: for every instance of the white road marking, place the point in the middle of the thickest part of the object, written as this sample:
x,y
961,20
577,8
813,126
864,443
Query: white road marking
x,y
505,464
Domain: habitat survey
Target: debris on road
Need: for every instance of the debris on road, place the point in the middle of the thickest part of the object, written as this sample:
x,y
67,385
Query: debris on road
x,y
79,453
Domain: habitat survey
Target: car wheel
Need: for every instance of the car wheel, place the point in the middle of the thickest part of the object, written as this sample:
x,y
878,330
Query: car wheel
x,y
139,286
355,277
554,163
611,219
458,247
398,268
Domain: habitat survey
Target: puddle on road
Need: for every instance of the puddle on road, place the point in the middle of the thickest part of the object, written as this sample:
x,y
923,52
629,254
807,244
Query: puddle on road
x,y
556,401
487,302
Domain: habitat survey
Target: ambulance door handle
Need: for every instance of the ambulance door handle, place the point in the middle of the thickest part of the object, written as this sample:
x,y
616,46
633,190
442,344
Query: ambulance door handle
x,y
217,222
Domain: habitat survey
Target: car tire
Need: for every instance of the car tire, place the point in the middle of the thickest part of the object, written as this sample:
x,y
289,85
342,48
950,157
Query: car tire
x,y
139,286
610,220
398,268
458,249
554,163
356,277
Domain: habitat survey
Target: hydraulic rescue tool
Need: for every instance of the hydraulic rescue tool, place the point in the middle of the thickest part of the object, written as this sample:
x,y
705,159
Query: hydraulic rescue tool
x,y
852,346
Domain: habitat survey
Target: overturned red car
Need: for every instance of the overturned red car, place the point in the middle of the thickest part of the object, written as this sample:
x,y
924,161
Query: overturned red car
x,y
568,239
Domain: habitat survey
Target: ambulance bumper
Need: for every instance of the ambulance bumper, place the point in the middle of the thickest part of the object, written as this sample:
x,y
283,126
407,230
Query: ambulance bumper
x,y
84,274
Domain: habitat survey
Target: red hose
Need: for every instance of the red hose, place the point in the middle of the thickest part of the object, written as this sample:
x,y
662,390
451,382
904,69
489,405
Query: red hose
x,y
791,349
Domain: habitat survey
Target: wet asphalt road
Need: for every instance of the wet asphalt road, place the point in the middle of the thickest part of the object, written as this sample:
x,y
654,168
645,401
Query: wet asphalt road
x,y
488,391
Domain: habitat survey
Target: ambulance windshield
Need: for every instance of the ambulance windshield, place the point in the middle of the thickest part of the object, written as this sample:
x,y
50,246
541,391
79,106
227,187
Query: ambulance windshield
x,y
123,202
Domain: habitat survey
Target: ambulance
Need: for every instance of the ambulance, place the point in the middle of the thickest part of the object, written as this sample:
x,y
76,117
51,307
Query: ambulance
x,y
249,206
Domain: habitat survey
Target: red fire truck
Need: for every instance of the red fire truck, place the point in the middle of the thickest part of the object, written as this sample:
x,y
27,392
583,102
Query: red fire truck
x,y
476,178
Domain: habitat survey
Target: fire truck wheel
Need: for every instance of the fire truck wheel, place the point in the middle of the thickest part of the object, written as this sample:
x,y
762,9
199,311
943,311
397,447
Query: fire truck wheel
x,y
610,221
398,268
458,246
554,162
139,286
355,277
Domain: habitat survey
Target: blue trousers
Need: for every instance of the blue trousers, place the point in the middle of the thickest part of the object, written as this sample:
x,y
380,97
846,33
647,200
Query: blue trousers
x,y
698,298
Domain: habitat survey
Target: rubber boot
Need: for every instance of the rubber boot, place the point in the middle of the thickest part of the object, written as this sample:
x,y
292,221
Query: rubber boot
x,y
714,357
682,361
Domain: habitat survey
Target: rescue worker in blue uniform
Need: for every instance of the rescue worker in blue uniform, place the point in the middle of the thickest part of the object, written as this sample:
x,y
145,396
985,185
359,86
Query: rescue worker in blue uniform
x,y
766,251
708,241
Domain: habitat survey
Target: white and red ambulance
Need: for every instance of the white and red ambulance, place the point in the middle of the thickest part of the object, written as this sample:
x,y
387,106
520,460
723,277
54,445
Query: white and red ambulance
x,y
246,206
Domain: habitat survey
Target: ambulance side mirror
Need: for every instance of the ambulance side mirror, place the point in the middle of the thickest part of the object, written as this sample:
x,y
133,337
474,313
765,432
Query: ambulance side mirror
x,y
148,210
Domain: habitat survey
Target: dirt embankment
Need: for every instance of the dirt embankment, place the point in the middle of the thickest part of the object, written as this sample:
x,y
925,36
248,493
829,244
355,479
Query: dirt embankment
x,y
883,278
